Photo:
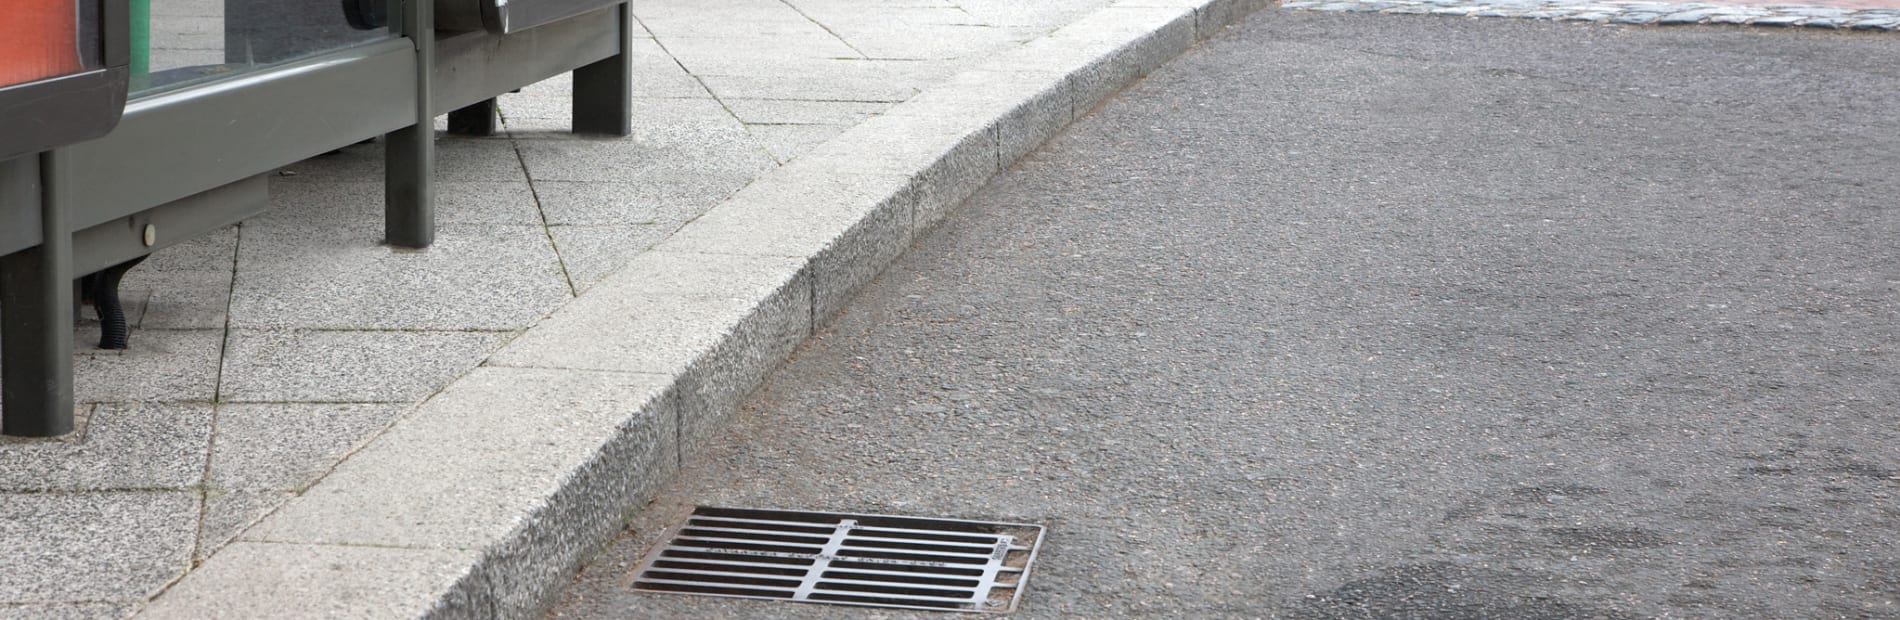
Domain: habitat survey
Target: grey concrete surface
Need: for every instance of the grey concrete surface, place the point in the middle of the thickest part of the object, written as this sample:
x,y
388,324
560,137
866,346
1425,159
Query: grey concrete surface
x,y
1368,316
263,366
123,446
152,535
316,581
283,446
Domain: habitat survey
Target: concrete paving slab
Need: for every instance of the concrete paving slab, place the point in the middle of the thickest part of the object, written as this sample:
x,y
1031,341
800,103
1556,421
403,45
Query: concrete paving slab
x,y
268,366
591,253
162,365
713,153
658,198
51,549
267,580
125,446
832,80
786,23
786,142
798,112
288,446
66,611
942,42
229,513
359,203
529,465
212,251
342,277
847,17
734,18
757,54
177,299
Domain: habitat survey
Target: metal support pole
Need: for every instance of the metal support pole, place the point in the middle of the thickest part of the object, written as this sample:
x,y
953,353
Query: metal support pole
x,y
603,90
474,120
409,153
36,290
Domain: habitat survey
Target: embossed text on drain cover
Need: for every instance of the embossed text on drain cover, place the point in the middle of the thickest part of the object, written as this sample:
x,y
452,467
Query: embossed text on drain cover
x,y
844,559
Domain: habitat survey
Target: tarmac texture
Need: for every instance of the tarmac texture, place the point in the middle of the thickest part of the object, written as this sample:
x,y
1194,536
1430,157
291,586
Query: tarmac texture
x,y
1369,316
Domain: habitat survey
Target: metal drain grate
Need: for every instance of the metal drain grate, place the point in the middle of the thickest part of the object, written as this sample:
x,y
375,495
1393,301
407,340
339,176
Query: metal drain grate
x,y
844,559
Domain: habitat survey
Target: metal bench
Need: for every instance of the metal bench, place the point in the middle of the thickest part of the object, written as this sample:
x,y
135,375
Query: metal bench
x,y
191,150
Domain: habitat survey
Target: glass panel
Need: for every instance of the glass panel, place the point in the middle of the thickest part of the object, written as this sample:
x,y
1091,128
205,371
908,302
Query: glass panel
x,y
40,39
194,41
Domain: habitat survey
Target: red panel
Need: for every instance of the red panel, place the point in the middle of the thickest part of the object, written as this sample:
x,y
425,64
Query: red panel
x,y
37,40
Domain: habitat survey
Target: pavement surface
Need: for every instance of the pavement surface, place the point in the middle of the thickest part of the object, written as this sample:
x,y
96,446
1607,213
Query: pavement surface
x,y
277,366
1370,316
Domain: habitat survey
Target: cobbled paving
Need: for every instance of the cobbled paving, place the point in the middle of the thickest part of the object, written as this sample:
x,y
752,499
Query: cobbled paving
x,y
1628,12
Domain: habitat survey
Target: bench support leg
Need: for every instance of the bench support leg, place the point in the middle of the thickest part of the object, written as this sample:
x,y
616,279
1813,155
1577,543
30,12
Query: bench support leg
x,y
603,90
409,153
475,120
36,291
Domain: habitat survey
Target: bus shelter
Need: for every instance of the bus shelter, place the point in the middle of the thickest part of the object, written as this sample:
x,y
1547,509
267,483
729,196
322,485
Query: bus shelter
x,y
127,126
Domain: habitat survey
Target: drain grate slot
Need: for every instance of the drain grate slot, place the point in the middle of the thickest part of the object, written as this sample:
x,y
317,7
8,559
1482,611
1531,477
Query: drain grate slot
x,y
846,559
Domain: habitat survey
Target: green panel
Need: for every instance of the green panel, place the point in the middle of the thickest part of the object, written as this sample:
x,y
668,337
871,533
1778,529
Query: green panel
x,y
141,14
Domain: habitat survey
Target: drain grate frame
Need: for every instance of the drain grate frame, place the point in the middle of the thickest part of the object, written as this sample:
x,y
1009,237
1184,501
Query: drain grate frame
x,y
844,559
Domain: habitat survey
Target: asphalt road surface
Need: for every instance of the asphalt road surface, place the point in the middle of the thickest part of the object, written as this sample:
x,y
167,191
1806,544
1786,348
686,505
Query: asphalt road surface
x,y
1380,316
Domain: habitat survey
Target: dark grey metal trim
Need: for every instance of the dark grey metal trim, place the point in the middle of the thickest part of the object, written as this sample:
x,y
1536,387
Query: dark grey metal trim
x,y
509,17
176,144
171,223
19,204
43,114
37,116
475,66
522,15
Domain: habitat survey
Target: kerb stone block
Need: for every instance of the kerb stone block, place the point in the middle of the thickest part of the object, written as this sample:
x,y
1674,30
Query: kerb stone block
x,y
535,467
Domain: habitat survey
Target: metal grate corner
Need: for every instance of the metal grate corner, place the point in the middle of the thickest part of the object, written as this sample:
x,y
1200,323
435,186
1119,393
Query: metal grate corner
x,y
844,559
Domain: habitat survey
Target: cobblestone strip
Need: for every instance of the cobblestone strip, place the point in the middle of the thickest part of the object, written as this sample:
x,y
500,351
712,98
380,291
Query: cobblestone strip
x,y
1626,12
